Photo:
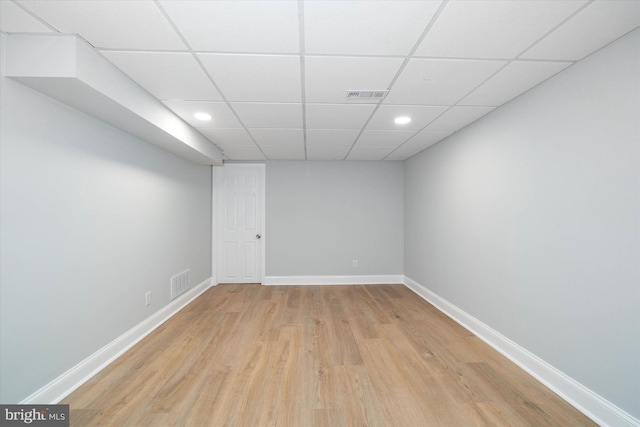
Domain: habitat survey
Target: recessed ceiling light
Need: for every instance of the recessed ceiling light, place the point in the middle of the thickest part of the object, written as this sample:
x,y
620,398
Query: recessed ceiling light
x,y
402,120
202,116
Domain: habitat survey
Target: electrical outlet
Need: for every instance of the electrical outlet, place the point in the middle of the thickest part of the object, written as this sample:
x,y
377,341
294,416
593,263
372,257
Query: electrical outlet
x,y
355,263
147,299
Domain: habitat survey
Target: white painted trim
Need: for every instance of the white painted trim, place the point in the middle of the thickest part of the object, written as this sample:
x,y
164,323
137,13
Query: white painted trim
x,y
214,225
66,383
585,400
334,280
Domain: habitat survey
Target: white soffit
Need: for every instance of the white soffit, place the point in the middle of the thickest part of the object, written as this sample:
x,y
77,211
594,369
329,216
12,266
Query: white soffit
x,y
67,69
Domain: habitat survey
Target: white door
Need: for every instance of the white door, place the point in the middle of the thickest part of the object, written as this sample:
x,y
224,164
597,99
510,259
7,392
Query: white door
x,y
240,249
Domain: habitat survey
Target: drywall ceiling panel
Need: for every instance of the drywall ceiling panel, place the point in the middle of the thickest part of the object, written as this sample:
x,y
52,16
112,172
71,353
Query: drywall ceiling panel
x,y
284,152
278,136
368,153
478,29
337,116
365,27
326,152
175,76
255,78
15,20
419,142
511,81
331,137
387,138
592,28
114,24
327,79
439,82
221,114
227,137
242,152
269,115
458,117
237,26
384,117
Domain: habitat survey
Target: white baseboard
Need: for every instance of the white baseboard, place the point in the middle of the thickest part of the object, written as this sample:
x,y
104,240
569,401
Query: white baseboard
x,y
334,280
586,401
66,383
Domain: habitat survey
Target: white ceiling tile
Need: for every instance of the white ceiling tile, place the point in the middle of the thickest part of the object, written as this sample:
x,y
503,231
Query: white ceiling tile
x,y
227,137
323,152
420,116
421,141
493,29
439,82
115,24
592,28
369,153
237,26
15,20
221,114
284,152
458,117
331,137
327,79
166,75
365,27
268,115
278,136
511,81
387,138
337,116
255,78
242,152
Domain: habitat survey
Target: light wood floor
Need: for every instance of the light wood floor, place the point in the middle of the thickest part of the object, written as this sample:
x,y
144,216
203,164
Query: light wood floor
x,y
252,356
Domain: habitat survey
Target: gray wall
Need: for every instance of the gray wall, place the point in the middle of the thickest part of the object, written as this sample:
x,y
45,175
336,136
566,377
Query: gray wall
x,y
529,220
322,215
91,218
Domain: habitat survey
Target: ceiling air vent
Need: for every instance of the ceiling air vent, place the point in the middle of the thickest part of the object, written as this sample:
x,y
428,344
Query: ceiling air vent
x,y
366,95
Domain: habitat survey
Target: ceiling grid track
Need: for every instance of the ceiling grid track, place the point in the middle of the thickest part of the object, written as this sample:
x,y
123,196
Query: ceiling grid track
x,y
273,74
206,73
402,67
508,62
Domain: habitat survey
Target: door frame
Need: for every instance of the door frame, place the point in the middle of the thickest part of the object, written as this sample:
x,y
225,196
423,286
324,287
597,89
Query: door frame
x,y
217,188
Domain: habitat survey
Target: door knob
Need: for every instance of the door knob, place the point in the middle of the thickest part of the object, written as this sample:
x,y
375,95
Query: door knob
x,y
258,236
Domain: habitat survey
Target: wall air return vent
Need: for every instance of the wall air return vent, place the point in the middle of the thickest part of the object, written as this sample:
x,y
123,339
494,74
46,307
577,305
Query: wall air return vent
x,y
366,95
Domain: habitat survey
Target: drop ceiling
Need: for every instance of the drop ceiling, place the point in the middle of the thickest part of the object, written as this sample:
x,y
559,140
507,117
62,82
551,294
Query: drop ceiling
x,y
274,74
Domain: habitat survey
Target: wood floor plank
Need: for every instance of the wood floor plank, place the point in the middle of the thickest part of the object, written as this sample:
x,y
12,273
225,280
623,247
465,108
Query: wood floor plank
x,y
325,356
